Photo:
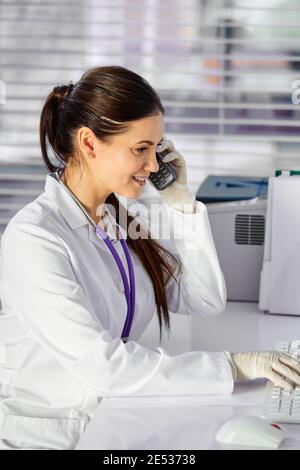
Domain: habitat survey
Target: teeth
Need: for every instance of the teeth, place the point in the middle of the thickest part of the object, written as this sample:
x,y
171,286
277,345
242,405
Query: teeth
x,y
139,178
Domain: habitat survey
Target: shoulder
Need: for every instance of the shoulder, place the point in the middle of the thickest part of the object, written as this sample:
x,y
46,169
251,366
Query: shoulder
x,y
36,219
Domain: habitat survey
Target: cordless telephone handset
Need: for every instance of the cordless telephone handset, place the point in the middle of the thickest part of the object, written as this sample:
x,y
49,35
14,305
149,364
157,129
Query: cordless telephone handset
x,y
165,176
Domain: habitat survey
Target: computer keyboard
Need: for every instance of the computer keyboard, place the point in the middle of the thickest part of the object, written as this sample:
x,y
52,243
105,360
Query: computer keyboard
x,y
279,405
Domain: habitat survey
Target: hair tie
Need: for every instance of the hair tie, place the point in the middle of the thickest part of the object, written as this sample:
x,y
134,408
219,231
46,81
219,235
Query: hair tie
x,y
70,87
63,91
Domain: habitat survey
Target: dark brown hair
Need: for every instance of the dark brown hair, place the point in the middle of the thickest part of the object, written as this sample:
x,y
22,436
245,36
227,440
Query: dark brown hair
x,y
120,95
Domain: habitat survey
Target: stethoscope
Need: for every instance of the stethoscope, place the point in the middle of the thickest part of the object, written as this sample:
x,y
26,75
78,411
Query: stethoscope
x,y
129,290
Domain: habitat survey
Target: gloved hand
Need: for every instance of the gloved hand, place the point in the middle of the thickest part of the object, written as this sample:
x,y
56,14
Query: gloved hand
x,y
177,195
279,368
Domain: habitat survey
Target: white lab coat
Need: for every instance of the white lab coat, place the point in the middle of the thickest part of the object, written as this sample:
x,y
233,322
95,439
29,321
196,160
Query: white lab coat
x,y
64,309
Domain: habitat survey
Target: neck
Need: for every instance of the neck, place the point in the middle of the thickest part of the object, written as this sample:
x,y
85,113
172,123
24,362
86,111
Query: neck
x,y
84,189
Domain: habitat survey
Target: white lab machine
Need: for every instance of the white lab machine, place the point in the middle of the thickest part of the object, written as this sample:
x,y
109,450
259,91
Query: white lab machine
x,y
279,286
238,230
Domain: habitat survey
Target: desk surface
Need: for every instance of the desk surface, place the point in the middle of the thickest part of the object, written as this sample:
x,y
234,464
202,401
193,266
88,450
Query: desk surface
x,y
189,423
242,327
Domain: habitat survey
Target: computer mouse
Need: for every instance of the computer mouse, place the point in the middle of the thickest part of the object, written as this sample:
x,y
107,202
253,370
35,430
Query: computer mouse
x,y
250,432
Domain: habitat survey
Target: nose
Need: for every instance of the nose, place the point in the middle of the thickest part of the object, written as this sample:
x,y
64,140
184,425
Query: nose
x,y
151,164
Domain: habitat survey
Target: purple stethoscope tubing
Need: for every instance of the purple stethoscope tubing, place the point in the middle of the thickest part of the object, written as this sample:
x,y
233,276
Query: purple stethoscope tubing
x,y
129,291
129,287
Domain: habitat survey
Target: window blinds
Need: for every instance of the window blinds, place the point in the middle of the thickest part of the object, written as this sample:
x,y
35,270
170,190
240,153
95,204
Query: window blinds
x,y
223,69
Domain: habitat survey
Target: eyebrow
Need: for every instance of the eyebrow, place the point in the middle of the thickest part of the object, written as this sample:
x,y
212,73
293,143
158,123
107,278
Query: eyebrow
x,y
148,142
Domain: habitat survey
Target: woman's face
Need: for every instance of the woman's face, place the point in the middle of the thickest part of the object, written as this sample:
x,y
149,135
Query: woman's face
x,y
116,164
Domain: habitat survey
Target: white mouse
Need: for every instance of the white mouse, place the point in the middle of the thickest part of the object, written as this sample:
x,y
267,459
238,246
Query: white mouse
x,y
250,432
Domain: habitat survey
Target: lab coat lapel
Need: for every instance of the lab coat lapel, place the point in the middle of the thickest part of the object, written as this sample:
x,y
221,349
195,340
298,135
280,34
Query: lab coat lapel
x,y
96,239
74,215
93,237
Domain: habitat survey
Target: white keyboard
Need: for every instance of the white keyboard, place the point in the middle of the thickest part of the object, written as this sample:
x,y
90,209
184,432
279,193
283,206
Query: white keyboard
x,y
282,406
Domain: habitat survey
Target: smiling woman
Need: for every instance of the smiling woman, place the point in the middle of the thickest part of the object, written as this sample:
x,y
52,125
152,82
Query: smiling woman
x,y
76,316
94,128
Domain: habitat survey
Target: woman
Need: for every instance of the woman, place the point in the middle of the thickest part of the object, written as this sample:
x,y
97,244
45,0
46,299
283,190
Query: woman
x,y
65,336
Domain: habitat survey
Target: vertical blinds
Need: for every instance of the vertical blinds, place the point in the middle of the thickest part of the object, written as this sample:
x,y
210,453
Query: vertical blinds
x,y
223,69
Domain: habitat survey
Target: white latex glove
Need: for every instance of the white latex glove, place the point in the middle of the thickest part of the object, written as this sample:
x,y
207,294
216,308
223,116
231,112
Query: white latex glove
x,y
279,368
177,195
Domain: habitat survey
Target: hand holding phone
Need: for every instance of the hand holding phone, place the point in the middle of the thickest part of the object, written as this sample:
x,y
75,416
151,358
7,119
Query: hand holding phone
x,y
165,176
172,168
171,179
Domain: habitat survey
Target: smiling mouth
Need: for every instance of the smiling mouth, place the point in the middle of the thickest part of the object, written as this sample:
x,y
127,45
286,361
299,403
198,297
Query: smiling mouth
x,y
140,180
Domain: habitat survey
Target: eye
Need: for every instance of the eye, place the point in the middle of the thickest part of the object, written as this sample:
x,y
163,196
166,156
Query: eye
x,y
141,150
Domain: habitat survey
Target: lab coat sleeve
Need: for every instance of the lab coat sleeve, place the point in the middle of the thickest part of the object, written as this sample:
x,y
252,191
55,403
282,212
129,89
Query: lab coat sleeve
x,y
200,287
37,274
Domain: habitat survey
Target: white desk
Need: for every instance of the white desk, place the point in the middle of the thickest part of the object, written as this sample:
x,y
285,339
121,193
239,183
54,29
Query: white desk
x,y
188,423
242,328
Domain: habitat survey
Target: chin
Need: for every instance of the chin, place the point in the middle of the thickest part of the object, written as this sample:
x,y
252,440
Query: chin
x,y
130,192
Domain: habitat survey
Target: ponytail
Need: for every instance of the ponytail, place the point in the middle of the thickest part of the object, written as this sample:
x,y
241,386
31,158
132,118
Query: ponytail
x,y
50,123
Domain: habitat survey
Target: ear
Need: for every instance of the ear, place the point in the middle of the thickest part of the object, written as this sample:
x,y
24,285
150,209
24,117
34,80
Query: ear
x,y
86,141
